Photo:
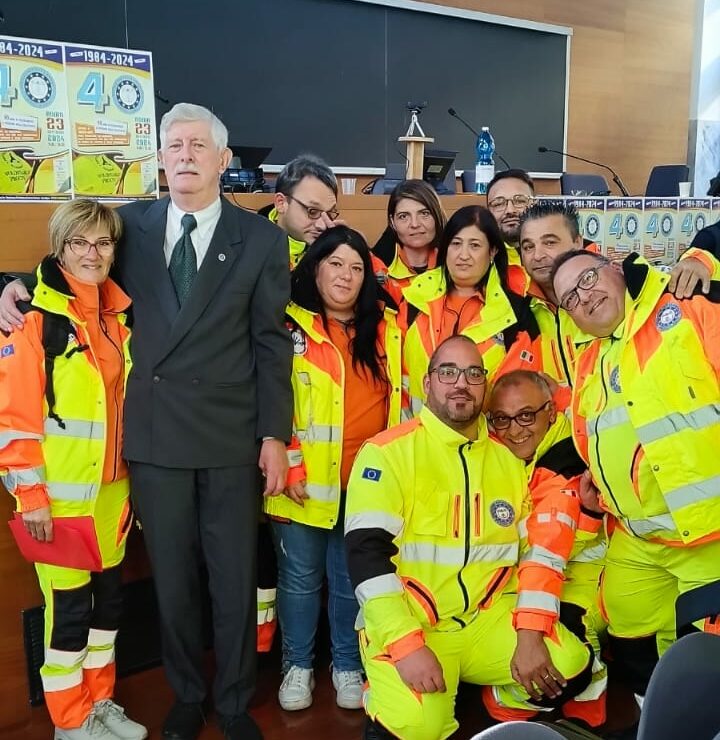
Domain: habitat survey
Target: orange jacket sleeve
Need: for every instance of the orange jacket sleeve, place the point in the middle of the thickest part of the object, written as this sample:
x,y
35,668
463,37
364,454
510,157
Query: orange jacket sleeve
x,y
22,389
551,530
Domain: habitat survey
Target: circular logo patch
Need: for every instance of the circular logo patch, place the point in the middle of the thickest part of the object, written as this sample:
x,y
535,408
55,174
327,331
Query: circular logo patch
x,y
668,316
299,342
502,513
615,379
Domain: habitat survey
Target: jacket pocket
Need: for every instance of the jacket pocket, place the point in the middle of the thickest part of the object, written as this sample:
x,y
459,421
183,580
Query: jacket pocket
x,y
431,513
423,597
126,519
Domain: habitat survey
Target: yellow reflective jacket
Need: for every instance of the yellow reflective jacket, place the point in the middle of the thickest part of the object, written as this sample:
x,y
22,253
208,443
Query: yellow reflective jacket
x,y
296,248
318,387
432,529
504,331
650,396
60,456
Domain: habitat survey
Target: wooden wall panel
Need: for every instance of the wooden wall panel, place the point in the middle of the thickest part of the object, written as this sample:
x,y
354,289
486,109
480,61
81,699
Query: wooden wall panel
x,y
630,70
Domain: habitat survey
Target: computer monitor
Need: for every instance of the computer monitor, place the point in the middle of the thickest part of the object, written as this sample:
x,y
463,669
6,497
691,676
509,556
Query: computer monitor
x,y
437,165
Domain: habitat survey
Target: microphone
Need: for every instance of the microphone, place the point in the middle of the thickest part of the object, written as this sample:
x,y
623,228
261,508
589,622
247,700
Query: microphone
x,y
616,177
454,114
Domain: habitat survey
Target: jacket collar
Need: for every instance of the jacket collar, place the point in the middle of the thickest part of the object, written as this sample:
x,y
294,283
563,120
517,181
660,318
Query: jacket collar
x,y
559,430
297,248
312,324
445,434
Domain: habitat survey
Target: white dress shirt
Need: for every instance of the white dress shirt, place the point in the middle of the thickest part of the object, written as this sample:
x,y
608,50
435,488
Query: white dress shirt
x,y
201,235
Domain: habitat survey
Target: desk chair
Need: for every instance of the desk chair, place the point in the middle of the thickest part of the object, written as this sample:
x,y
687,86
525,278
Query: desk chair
x,y
664,179
578,184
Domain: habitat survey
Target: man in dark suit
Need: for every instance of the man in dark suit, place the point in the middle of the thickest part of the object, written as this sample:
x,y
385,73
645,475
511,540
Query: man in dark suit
x,y
208,401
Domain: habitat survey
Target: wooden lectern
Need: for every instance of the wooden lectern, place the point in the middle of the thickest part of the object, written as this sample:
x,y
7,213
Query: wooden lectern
x,y
415,141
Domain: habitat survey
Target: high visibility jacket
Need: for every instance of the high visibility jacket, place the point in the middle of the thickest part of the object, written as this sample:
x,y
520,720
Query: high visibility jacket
x,y
504,331
432,532
57,457
646,411
296,248
554,478
396,276
318,381
518,279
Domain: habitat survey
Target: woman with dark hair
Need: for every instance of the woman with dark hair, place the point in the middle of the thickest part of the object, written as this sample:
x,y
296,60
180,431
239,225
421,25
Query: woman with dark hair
x,y
467,293
346,380
409,245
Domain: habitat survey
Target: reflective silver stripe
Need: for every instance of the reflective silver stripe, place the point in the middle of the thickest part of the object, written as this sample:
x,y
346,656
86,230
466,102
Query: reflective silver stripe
x,y
101,638
661,522
676,422
383,585
73,491
75,428
27,477
543,518
693,493
567,520
374,520
598,683
538,600
12,434
99,658
320,433
266,595
607,420
591,554
63,681
522,528
64,658
322,493
416,404
542,556
426,552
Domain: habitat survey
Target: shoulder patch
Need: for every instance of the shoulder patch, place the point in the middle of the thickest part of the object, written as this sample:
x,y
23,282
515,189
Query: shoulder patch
x,y
615,379
7,350
502,513
373,474
668,316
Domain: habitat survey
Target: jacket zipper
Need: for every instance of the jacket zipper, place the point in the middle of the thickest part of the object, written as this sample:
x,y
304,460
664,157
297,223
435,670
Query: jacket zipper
x,y
597,436
103,328
561,347
463,588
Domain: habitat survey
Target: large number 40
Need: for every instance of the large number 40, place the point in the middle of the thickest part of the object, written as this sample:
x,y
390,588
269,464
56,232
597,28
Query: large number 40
x,y
92,92
7,93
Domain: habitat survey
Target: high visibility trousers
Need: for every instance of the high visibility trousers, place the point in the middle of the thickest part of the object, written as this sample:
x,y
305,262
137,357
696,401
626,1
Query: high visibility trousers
x,y
82,615
651,593
580,613
479,653
266,589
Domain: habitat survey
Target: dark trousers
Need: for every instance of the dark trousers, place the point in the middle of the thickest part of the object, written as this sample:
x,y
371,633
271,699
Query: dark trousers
x,y
191,515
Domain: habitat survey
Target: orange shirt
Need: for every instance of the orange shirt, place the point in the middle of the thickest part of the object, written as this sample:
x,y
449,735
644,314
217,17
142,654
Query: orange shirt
x,y
458,312
95,306
366,402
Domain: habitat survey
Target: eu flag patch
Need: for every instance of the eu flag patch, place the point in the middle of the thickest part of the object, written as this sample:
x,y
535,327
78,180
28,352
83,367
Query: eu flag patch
x,y
372,474
7,350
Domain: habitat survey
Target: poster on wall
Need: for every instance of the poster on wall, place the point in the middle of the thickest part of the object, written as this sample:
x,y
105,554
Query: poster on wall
x,y
591,218
660,231
112,110
35,159
623,227
693,215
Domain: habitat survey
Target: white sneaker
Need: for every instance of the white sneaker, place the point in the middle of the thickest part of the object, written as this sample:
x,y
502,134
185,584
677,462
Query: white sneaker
x,y
91,729
112,715
349,689
296,689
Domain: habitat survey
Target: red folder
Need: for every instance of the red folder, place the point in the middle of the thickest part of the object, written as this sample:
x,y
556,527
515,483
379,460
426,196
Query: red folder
x,y
74,543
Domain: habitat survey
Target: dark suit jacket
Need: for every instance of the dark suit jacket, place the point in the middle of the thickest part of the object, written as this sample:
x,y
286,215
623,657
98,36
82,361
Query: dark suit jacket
x,y
210,380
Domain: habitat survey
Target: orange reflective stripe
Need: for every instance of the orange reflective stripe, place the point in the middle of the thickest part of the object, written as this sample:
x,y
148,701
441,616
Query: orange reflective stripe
x,y
100,682
477,514
69,708
456,517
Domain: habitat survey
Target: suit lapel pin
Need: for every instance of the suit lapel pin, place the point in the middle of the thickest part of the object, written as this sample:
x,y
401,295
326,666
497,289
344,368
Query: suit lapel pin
x,y
221,257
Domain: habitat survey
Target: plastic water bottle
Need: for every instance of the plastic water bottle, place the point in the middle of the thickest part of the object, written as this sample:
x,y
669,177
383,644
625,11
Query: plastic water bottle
x,y
484,164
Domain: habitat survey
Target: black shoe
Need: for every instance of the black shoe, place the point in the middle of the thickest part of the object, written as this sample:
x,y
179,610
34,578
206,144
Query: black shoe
x,y
375,731
241,727
184,722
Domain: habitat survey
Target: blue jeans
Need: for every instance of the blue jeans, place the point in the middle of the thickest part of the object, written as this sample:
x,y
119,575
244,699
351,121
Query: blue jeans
x,y
305,554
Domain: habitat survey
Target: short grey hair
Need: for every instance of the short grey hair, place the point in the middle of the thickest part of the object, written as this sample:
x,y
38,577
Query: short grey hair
x,y
517,377
306,165
188,112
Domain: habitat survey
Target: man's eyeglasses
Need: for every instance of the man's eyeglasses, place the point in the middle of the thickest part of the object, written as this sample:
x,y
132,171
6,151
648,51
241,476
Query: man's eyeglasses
x,y
315,213
81,247
571,300
524,418
450,374
519,201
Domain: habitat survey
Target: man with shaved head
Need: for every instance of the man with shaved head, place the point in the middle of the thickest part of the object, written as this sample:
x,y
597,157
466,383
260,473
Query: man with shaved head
x,y
523,416
433,537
